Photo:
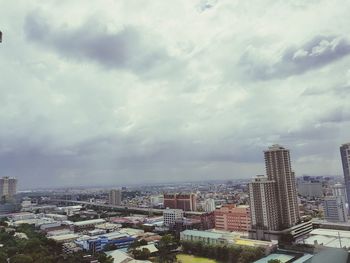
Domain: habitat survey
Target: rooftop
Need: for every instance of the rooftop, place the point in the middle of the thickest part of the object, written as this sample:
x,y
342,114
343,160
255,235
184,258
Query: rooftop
x,y
204,234
64,237
89,222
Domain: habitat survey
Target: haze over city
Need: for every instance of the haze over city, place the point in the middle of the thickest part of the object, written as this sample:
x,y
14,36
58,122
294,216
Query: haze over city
x,y
109,93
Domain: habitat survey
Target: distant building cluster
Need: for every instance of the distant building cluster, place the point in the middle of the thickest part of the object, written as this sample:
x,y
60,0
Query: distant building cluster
x,y
186,202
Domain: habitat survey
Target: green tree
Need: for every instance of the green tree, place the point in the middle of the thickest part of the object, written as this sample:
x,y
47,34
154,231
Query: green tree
x,y
20,258
141,254
249,255
166,244
274,261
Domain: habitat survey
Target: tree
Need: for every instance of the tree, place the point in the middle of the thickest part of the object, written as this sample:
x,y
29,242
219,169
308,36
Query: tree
x,y
166,244
141,254
103,258
20,258
250,255
274,261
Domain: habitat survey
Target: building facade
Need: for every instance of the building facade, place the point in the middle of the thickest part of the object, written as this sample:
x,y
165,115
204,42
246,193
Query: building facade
x,y
339,190
115,197
278,169
345,159
209,205
233,218
263,206
171,216
310,189
335,209
8,188
157,200
186,202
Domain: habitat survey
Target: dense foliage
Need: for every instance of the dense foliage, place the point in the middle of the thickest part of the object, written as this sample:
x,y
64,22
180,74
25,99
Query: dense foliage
x,y
37,248
165,249
234,254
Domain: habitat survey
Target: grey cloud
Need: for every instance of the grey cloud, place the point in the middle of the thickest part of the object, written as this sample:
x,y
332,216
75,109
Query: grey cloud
x,y
126,49
316,53
339,91
336,116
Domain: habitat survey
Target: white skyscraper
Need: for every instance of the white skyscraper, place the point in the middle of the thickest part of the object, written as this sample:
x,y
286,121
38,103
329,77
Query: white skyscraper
x,y
339,190
334,209
209,205
8,187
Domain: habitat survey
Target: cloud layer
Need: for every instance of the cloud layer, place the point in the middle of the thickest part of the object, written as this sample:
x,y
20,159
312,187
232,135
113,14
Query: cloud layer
x,y
138,91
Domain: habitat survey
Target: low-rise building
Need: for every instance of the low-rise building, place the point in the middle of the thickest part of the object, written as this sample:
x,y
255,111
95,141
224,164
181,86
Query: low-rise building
x,y
222,238
209,238
171,215
97,243
233,218
328,238
64,238
87,224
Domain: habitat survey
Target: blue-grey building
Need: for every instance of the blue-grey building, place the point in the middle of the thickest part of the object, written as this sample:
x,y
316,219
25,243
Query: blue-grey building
x,y
345,159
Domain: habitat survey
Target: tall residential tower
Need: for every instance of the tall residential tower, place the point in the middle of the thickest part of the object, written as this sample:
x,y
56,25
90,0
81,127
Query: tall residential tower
x,y
345,159
263,206
278,169
8,188
115,197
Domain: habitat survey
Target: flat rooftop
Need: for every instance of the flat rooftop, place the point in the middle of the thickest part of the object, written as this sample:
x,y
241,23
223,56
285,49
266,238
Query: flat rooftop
x,y
89,222
205,234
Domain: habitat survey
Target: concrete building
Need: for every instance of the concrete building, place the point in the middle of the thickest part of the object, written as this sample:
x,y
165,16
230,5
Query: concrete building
x,y
115,197
263,205
310,189
217,238
233,218
157,200
87,224
209,205
278,169
172,215
339,190
281,177
97,243
335,209
345,158
186,202
208,238
328,238
8,188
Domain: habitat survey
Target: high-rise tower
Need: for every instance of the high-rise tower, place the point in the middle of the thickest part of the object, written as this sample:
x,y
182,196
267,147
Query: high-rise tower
x,y
115,197
345,159
263,206
8,187
278,169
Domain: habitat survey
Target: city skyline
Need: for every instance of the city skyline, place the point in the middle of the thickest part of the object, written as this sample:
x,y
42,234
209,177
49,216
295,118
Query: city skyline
x,y
98,94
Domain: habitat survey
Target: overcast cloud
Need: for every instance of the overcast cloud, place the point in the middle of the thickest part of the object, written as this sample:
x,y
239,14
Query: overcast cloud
x,y
119,92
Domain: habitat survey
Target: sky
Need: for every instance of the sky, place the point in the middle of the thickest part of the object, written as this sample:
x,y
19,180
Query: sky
x,y
122,92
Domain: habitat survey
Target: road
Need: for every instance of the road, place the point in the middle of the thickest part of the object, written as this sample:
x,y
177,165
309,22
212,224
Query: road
x,y
122,208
